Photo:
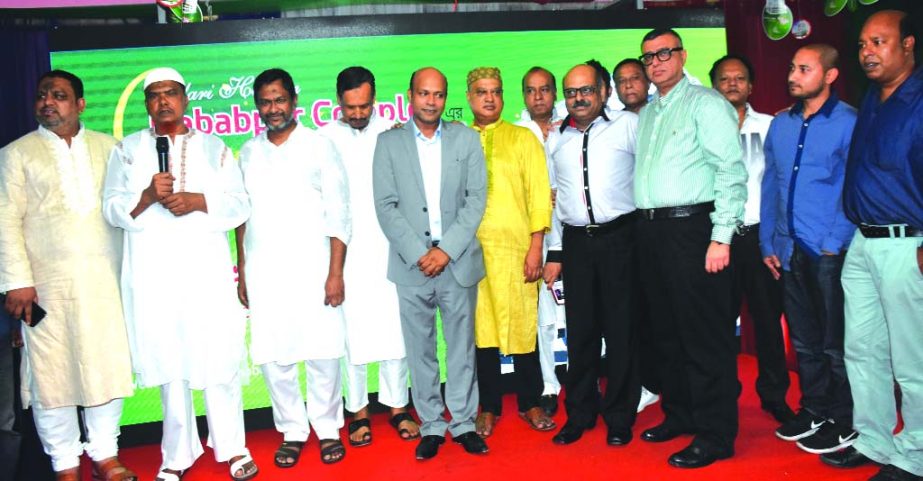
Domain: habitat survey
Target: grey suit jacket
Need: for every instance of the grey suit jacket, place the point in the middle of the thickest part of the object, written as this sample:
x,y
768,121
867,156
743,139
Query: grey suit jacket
x,y
400,202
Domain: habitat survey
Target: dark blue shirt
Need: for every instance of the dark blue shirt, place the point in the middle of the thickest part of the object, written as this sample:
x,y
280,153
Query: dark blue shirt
x,y
884,177
803,183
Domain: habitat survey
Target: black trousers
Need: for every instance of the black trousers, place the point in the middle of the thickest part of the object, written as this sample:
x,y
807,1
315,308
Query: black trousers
x,y
753,281
599,271
694,323
527,373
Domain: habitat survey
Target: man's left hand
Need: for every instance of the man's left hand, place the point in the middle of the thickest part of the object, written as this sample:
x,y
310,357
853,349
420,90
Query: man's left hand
x,y
182,203
717,258
334,291
433,262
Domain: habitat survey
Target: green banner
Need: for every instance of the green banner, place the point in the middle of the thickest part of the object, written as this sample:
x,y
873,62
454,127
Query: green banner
x,y
220,89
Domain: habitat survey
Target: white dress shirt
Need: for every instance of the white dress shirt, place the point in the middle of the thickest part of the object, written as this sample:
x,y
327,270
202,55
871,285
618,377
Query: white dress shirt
x,y
752,135
601,172
430,153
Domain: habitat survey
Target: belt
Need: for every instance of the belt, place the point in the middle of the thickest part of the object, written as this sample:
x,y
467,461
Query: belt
x,y
676,212
743,230
596,229
894,230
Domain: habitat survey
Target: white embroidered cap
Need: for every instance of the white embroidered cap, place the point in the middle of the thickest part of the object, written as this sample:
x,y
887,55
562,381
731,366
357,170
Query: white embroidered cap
x,y
163,73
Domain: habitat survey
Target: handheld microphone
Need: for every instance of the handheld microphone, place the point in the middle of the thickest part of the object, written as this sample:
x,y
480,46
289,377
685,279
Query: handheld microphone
x,y
163,150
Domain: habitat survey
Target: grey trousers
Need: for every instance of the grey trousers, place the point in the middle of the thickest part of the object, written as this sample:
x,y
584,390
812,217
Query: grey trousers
x,y
456,305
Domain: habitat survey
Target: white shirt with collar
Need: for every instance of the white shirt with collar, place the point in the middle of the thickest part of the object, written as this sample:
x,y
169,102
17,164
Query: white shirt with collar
x,y
429,150
609,163
752,135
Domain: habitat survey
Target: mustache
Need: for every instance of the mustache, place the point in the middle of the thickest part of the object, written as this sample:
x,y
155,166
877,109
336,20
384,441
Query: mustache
x,y
581,103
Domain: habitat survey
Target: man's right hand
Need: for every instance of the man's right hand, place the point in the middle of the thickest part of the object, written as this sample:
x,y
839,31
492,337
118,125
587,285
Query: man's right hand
x,y
161,186
19,303
551,273
772,262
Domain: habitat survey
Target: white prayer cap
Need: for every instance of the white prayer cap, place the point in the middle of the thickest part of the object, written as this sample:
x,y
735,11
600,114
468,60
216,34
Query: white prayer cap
x,y
163,73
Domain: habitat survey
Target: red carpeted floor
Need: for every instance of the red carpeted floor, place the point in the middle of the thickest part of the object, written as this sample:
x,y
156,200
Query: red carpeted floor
x,y
516,452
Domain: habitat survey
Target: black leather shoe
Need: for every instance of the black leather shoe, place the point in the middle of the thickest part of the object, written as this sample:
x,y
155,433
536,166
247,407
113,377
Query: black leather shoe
x,y
429,446
618,436
471,442
568,434
781,412
662,432
698,455
549,404
845,458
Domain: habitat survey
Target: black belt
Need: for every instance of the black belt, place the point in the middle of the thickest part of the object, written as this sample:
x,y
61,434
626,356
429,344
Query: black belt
x,y
596,229
743,230
895,230
676,212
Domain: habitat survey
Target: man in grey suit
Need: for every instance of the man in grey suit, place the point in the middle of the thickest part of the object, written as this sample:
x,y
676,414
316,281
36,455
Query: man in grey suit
x,y
430,188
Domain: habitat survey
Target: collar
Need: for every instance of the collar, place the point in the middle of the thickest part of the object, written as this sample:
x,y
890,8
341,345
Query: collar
x,y
825,109
48,134
569,122
487,127
419,135
907,91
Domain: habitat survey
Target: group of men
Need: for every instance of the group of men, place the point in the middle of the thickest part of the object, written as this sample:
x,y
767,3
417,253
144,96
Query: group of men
x,y
659,217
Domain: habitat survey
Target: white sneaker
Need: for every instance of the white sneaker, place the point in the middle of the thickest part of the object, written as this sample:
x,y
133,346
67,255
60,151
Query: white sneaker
x,y
647,398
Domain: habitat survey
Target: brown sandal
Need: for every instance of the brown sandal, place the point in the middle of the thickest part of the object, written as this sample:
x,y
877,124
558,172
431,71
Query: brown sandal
x,y
537,419
72,474
111,469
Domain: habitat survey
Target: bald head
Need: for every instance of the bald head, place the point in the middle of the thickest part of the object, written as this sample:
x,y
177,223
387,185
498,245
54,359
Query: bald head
x,y
429,73
583,94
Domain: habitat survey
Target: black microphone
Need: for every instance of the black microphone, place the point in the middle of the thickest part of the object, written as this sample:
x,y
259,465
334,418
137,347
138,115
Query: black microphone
x,y
163,150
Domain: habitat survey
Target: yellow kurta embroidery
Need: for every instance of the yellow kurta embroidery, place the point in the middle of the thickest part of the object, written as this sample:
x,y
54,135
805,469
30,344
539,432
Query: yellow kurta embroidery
x,y
518,204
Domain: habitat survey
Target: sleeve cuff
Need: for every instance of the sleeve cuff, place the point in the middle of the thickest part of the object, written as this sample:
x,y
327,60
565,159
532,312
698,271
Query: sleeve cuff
x,y
722,234
554,256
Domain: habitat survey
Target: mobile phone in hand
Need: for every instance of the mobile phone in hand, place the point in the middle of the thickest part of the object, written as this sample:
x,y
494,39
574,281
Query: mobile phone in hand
x,y
37,312
557,291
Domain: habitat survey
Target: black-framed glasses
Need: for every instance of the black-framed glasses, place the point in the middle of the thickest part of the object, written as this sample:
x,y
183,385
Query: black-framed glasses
x,y
663,55
584,91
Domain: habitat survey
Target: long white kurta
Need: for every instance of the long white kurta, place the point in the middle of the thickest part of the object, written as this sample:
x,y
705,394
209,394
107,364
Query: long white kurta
x,y
184,320
300,200
373,323
53,237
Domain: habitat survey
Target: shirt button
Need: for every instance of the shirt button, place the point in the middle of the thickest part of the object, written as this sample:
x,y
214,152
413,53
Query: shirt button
x,y
805,124
426,233
800,146
586,187
796,167
424,209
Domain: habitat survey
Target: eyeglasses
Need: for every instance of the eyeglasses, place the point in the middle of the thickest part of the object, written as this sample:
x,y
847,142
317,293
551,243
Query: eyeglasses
x,y
584,91
663,55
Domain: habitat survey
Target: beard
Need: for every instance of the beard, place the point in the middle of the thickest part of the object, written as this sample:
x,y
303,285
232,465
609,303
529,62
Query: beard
x,y
286,123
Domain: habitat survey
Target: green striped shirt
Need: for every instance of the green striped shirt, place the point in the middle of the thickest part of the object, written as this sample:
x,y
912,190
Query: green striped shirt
x,y
688,153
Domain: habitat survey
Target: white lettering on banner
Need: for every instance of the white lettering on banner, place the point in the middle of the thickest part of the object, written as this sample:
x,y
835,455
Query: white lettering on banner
x,y
324,111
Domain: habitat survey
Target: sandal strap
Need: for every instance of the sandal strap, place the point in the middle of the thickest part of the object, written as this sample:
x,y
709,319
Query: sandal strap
x,y
165,476
398,418
335,446
239,465
359,424
112,469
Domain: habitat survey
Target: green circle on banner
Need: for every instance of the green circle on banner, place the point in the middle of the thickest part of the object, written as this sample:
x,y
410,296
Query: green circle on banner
x,y
833,7
867,2
777,22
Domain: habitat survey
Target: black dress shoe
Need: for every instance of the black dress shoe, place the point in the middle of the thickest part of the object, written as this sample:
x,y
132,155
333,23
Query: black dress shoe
x,y
780,412
472,443
429,446
845,458
549,404
662,432
618,437
698,455
568,434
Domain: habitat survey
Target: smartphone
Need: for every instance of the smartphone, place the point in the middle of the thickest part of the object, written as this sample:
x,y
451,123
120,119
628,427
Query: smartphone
x,y
37,312
557,291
